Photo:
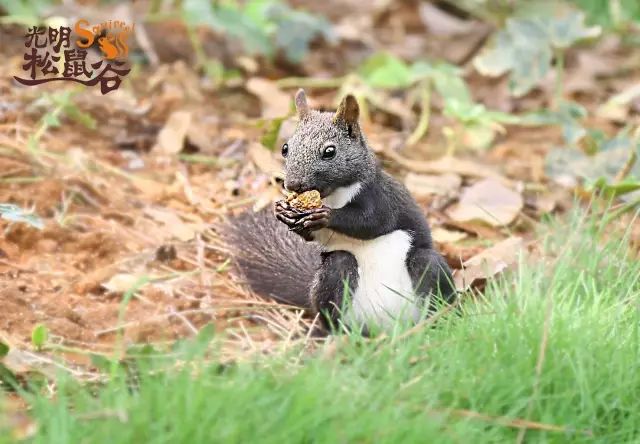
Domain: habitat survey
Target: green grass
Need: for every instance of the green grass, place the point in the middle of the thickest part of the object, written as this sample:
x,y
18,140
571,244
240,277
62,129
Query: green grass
x,y
573,315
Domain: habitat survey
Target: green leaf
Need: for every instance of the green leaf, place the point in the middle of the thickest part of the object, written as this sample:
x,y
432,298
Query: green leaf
x,y
384,70
564,165
196,12
272,129
522,48
525,49
617,189
229,19
476,113
448,82
530,67
263,26
257,12
81,117
296,29
572,110
51,120
570,29
571,166
421,70
496,61
477,137
616,15
27,13
14,213
568,117
254,38
4,349
465,112
39,335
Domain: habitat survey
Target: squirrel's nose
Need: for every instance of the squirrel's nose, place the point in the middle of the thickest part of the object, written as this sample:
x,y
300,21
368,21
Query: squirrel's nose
x,y
293,185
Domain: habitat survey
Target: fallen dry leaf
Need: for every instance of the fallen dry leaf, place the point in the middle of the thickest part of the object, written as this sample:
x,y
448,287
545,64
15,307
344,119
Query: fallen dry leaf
x,y
121,283
21,363
266,198
275,103
488,263
446,165
546,203
150,188
440,22
444,236
172,136
489,201
421,185
264,159
287,128
589,65
478,229
173,224
92,280
198,135
617,107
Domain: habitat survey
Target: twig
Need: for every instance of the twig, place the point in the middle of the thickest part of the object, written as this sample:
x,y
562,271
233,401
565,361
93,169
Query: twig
x,y
626,168
17,267
310,82
184,319
248,337
622,210
559,87
425,113
164,316
512,422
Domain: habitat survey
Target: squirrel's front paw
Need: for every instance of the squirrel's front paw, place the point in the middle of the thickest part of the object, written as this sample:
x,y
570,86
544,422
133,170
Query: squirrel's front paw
x,y
286,214
302,223
314,219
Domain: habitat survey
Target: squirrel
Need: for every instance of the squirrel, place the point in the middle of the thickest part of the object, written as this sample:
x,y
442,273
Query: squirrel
x,y
364,259
113,46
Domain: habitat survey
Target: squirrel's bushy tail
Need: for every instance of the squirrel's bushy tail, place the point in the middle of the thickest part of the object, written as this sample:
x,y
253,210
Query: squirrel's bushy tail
x,y
276,263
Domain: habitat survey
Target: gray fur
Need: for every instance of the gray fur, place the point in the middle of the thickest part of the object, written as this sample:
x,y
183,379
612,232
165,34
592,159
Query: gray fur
x,y
304,167
275,262
301,103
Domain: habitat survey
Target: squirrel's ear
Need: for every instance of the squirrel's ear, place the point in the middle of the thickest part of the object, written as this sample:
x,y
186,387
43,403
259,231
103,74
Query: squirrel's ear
x,y
301,104
348,112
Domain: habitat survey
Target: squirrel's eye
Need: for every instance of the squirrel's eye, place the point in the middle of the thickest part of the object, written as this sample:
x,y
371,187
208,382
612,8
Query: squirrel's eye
x,y
285,150
329,152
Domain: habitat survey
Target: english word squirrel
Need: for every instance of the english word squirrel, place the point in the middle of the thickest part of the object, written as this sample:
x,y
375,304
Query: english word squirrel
x,y
364,259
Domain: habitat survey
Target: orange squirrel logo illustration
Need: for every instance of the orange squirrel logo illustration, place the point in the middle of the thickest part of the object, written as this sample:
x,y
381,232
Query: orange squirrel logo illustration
x,y
113,43
43,48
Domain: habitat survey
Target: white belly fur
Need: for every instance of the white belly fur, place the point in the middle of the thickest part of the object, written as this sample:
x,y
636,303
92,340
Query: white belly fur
x,y
384,294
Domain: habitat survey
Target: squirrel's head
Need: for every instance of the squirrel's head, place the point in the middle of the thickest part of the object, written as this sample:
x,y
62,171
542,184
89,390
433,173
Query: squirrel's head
x,y
327,150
